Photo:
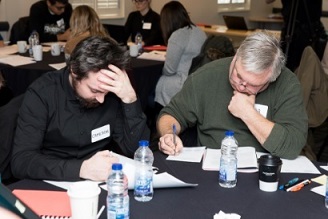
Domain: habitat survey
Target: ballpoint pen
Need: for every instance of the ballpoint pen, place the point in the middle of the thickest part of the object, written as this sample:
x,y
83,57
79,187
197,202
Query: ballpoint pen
x,y
174,137
299,186
288,184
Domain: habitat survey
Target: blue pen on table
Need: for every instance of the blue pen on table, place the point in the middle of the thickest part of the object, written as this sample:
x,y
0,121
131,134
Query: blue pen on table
x,y
288,184
174,137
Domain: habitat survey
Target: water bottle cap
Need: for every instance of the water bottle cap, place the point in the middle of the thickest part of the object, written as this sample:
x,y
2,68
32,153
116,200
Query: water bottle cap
x,y
229,133
143,143
117,166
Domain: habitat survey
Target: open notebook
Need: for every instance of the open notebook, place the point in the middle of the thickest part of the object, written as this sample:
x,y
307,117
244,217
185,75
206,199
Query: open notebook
x,y
36,204
246,159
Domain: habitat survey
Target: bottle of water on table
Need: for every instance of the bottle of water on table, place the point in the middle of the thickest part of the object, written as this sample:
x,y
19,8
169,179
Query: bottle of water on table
x,y
138,42
118,197
32,41
228,161
143,186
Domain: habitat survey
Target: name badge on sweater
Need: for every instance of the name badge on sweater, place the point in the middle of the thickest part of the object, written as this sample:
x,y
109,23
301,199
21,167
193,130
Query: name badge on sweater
x,y
146,26
100,133
262,109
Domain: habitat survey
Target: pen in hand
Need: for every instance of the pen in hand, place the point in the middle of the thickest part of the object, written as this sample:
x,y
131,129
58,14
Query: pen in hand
x,y
174,137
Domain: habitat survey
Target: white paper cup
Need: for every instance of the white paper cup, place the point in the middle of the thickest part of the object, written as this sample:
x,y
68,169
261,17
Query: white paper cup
x,y
37,52
55,49
84,199
133,50
22,46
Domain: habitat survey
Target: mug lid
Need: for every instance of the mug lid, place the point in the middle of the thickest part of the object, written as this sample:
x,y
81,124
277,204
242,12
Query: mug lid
x,y
269,160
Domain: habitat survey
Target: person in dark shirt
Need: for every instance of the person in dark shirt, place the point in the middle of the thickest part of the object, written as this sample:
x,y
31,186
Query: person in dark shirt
x,y
308,29
69,118
50,18
144,21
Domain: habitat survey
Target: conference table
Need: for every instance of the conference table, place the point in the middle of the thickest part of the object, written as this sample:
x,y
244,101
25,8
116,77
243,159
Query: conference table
x,y
208,198
236,36
143,74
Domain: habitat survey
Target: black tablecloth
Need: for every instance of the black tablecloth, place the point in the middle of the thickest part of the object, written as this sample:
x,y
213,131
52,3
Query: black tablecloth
x,y
209,198
143,74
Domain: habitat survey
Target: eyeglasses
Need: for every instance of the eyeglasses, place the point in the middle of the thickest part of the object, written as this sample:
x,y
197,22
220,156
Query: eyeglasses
x,y
246,86
138,1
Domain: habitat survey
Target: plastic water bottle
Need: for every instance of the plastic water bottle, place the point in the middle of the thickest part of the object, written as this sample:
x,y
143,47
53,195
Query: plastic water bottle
x,y
32,41
118,197
326,196
143,186
138,42
228,161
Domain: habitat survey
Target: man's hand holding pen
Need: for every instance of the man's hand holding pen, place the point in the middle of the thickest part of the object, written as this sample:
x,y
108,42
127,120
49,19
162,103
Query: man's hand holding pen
x,y
170,143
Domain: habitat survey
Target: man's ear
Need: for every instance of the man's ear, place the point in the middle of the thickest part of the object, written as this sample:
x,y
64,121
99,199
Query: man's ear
x,y
72,73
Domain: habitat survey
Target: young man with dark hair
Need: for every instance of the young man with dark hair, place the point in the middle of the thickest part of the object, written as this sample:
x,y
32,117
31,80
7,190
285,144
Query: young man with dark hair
x,y
69,118
50,18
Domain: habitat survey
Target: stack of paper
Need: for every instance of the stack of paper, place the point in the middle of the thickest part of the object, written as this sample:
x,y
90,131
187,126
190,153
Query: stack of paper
x,y
16,60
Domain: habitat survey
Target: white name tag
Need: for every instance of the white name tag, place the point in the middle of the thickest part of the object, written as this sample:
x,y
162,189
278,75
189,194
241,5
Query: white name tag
x,y
262,109
60,22
100,133
146,26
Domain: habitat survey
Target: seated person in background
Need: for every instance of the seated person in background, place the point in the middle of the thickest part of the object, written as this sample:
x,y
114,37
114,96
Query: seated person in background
x,y
144,21
69,118
84,22
184,41
50,18
252,93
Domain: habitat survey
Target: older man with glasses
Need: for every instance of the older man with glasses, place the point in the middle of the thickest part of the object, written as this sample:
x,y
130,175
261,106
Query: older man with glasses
x,y
50,18
252,93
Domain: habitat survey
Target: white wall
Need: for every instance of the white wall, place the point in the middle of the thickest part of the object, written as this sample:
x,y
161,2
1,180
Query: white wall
x,y
11,10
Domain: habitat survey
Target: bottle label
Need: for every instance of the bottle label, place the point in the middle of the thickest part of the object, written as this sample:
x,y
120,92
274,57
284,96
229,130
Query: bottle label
x,y
143,185
118,211
228,171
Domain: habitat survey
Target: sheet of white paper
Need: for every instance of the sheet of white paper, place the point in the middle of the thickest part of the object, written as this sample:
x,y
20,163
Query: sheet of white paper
x,y
58,66
7,50
189,154
50,43
321,190
64,184
159,180
299,165
16,60
324,167
152,56
246,159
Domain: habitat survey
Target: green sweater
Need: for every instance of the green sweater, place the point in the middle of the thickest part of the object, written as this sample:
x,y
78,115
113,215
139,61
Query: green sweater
x,y
204,100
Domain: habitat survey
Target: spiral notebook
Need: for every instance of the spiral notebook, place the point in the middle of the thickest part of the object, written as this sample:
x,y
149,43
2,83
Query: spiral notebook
x,y
46,204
